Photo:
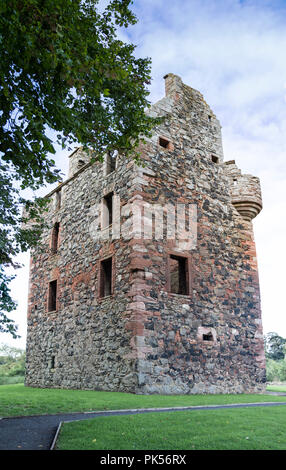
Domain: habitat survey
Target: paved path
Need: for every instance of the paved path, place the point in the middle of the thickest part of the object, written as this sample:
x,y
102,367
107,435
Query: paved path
x,y
38,432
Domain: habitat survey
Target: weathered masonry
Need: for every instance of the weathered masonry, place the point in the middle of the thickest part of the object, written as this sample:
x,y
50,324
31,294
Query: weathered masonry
x,y
110,310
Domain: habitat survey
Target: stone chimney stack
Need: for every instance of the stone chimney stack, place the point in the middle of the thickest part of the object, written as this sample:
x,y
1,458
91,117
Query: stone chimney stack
x,y
173,85
77,159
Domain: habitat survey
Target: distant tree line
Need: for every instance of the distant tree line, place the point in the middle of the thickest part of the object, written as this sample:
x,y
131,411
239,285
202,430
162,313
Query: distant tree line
x,y
12,365
275,350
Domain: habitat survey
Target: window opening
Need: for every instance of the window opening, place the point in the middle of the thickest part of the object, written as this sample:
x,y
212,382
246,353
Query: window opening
x,y
52,362
80,164
55,237
107,210
208,337
105,277
164,142
52,300
179,275
214,159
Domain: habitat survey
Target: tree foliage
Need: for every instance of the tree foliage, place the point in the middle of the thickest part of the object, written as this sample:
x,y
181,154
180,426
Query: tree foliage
x,y
275,370
274,346
12,363
64,69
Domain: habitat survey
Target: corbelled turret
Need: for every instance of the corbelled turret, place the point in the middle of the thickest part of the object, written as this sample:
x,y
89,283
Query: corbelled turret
x,y
245,192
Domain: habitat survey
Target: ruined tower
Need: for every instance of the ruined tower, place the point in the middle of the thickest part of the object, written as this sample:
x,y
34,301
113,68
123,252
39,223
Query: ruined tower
x,y
119,300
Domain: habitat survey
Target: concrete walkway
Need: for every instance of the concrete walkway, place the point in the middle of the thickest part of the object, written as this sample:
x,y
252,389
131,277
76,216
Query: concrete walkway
x,y
40,432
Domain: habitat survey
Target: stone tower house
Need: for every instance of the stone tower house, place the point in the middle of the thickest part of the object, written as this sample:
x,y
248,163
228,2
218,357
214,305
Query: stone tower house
x,y
116,301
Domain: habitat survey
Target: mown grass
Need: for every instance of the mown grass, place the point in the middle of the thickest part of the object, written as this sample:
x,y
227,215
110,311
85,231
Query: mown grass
x,y
224,429
14,379
277,388
18,400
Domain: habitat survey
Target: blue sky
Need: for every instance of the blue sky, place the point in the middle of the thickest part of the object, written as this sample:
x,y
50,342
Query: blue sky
x,y
234,53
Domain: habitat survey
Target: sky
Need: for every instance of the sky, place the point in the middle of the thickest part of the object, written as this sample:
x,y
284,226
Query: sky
x,y
233,52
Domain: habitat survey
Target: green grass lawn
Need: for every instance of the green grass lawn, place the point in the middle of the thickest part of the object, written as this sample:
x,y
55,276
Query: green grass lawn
x,y
239,429
247,428
277,388
18,400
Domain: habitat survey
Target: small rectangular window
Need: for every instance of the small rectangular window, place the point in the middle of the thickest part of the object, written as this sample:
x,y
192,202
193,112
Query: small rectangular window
x,y
214,159
105,287
164,142
179,275
55,237
80,163
52,362
107,210
208,337
52,299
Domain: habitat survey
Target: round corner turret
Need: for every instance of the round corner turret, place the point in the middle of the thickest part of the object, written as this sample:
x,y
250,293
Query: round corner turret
x,y
245,192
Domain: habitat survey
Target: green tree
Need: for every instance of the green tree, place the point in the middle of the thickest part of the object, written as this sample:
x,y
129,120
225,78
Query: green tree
x,y
12,364
62,69
274,346
275,370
